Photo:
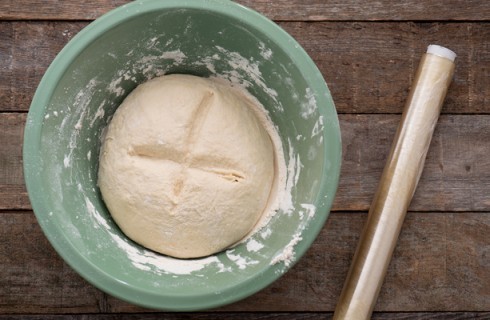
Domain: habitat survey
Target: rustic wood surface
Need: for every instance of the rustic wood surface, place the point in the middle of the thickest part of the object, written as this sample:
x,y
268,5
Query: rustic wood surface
x,y
279,10
253,316
441,263
349,55
367,52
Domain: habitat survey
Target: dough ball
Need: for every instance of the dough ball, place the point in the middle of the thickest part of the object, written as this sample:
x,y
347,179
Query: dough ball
x,y
186,168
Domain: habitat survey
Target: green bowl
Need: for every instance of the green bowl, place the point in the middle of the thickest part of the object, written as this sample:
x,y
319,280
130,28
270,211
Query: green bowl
x,y
86,83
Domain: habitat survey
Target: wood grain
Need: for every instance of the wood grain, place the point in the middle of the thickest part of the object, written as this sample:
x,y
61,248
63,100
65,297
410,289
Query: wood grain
x,y
451,179
33,278
13,194
456,175
56,10
252,316
437,257
28,49
368,52
368,66
291,10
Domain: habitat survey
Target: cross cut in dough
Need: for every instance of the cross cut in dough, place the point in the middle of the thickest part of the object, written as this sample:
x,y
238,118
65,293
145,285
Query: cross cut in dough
x,y
186,168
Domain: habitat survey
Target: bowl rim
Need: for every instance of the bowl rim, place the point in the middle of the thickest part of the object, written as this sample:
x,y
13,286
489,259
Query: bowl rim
x,y
32,142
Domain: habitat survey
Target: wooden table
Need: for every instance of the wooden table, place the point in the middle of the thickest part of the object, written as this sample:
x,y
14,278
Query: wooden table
x,y
367,52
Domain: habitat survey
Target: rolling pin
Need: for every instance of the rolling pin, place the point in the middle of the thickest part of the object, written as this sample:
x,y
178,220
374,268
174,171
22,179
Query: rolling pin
x,y
397,185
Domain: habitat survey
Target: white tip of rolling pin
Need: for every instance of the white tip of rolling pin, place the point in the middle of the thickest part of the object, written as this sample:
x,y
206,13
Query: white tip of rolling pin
x,y
441,52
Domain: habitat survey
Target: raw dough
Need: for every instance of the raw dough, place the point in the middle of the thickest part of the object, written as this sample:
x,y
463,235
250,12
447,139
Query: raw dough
x,y
186,167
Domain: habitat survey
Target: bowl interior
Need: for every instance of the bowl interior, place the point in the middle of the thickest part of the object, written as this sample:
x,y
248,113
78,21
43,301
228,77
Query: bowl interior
x,y
88,81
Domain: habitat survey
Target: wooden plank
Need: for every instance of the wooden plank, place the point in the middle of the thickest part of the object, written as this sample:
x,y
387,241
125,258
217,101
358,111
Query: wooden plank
x,y
338,10
440,263
313,10
33,279
456,175
6,44
252,316
28,49
56,10
368,66
13,194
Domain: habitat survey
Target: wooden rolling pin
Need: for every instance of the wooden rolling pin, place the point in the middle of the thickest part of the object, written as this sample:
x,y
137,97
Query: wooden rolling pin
x,y
397,185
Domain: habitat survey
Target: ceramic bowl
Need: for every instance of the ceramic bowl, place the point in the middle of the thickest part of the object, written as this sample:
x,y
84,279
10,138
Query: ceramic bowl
x,y
89,79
